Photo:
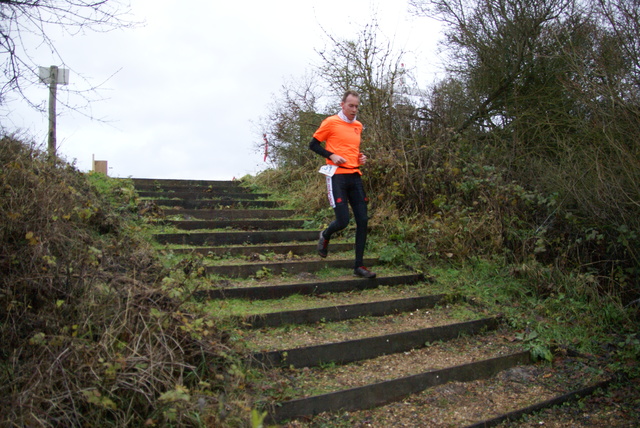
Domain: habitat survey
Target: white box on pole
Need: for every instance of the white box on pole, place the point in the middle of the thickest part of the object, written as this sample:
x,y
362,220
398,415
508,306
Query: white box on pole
x,y
44,73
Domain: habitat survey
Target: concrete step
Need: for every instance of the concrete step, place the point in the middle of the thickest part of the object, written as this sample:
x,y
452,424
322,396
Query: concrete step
x,y
235,224
558,400
277,268
341,312
220,203
266,292
371,347
189,188
202,194
235,238
229,214
163,183
249,250
381,393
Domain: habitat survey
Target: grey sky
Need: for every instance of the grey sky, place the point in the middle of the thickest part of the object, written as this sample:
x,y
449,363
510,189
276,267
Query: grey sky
x,y
192,82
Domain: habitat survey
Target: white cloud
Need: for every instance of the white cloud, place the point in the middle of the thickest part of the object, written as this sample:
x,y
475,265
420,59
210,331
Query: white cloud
x,y
193,79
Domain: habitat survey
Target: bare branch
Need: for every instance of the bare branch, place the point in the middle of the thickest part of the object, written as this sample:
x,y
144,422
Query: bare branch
x,y
36,19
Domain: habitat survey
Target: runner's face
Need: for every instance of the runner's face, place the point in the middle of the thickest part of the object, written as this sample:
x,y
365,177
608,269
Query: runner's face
x,y
350,106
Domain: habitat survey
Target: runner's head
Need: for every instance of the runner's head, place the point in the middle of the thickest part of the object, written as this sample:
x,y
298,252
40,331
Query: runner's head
x,y
350,103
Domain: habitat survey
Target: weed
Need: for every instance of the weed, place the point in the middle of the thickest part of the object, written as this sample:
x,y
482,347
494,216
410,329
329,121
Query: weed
x,y
257,418
86,303
264,273
400,254
574,318
539,351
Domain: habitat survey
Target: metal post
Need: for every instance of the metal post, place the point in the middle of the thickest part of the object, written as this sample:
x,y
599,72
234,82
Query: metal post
x,y
53,87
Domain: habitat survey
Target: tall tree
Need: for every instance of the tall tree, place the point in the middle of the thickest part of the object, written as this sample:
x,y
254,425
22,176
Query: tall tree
x,y
554,85
492,43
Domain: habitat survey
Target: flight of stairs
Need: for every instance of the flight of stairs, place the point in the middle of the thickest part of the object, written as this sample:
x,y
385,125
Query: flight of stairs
x,y
333,347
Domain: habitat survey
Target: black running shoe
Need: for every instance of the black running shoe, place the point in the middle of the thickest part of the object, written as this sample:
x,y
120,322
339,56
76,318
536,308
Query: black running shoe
x,y
363,272
323,246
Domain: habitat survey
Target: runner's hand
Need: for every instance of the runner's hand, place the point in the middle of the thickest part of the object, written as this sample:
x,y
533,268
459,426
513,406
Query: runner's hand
x,y
337,159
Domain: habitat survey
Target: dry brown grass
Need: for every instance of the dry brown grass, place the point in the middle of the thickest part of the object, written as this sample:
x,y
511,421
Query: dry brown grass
x,y
90,336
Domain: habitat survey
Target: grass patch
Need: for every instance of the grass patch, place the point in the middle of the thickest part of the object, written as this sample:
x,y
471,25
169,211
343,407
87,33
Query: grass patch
x,y
576,318
237,307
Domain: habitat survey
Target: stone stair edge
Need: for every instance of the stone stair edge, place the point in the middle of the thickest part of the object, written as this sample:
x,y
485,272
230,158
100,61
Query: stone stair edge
x,y
236,237
242,225
277,268
328,261
338,312
267,292
557,400
277,248
349,351
216,203
182,180
381,393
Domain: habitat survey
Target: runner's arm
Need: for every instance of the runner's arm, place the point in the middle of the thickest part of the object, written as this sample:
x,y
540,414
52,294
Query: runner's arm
x,y
315,146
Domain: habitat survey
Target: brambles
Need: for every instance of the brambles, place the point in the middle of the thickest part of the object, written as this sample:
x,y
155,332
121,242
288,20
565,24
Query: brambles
x,y
92,333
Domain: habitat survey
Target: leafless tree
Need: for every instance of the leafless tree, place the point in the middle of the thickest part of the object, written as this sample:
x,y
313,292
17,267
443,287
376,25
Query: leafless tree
x,y
293,115
22,21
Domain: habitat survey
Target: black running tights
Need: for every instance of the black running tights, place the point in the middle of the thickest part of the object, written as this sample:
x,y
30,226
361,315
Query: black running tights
x,y
343,189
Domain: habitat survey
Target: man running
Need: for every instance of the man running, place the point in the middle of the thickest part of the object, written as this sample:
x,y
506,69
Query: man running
x,y
341,133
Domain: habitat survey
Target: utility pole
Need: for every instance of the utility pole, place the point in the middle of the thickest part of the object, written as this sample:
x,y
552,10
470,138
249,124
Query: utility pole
x,y
53,88
53,76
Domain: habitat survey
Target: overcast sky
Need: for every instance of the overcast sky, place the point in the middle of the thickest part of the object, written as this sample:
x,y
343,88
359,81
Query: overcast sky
x,y
184,92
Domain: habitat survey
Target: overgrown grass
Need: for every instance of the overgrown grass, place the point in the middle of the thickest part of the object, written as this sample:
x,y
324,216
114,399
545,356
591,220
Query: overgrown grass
x,y
93,326
573,319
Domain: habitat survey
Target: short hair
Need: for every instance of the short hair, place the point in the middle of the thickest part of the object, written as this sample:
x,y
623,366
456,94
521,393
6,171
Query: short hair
x,y
349,92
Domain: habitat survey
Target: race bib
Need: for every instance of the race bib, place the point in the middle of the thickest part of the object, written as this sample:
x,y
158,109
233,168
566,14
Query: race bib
x,y
328,170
